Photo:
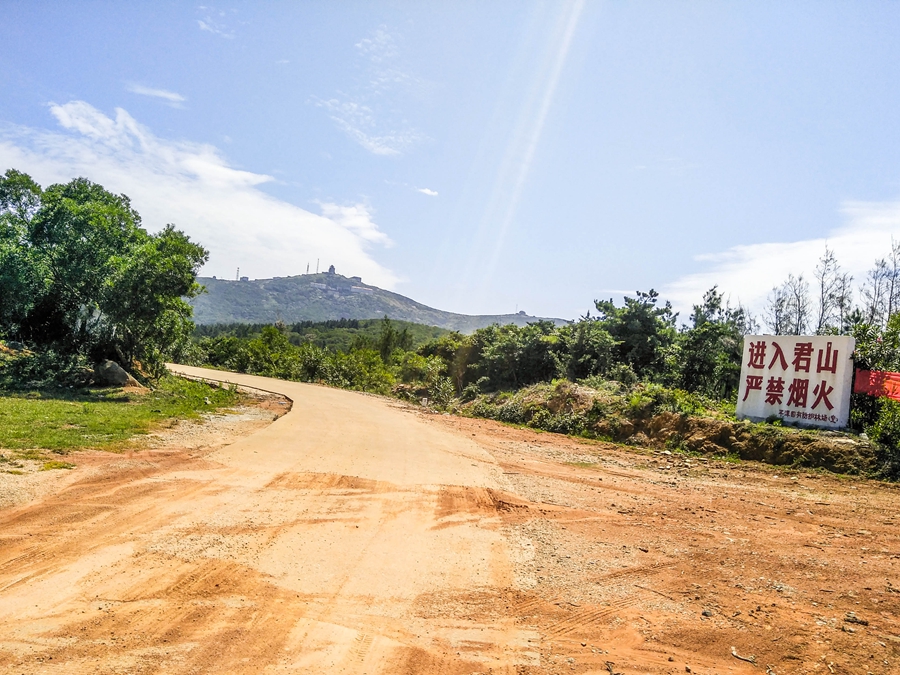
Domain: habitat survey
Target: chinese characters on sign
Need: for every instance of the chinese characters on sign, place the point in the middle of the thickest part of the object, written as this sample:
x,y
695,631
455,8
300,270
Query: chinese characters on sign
x,y
804,380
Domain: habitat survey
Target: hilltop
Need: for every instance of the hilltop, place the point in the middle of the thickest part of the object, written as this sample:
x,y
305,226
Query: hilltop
x,y
326,296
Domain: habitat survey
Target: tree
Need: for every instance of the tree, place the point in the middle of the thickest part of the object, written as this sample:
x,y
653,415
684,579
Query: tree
x,y
775,311
587,348
788,308
642,331
828,282
81,277
514,356
799,307
844,301
873,292
390,339
709,352
880,290
20,197
143,299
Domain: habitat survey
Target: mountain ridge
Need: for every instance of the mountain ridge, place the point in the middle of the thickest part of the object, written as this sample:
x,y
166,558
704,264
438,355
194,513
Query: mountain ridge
x,y
324,296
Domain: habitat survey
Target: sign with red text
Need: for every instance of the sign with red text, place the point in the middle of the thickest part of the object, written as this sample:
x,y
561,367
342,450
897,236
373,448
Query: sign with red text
x,y
804,380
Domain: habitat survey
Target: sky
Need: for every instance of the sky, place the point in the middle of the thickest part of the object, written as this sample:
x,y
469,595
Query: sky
x,y
477,157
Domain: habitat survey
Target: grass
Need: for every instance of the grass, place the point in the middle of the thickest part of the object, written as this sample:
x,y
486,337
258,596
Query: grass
x,y
65,420
56,464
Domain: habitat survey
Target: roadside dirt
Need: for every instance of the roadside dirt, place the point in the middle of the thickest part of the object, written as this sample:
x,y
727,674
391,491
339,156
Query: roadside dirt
x,y
356,535
26,482
622,553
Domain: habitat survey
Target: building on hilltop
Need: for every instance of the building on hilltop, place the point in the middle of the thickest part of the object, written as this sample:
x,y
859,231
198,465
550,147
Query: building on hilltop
x,y
331,269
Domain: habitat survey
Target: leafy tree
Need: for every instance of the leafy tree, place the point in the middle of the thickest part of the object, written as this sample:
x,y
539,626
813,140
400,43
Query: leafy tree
x,y
707,358
20,197
587,349
143,301
458,352
642,331
81,277
390,339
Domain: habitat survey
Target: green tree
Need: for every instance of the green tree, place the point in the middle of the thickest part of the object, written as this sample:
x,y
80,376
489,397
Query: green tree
x,y
20,280
587,349
143,299
81,277
642,332
707,356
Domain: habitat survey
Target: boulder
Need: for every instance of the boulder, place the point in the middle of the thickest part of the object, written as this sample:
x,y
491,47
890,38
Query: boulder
x,y
110,374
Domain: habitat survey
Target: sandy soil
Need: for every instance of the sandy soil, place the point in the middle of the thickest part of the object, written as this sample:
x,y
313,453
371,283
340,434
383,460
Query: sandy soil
x,y
356,535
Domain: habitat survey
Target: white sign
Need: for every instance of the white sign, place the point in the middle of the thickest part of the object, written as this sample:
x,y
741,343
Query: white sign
x,y
804,380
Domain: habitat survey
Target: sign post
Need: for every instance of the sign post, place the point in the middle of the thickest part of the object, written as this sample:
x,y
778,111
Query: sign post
x,y
803,380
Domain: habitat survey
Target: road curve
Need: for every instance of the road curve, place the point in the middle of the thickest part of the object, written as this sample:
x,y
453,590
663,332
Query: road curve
x,y
320,544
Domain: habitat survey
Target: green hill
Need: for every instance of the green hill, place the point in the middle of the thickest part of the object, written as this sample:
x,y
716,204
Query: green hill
x,y
322,297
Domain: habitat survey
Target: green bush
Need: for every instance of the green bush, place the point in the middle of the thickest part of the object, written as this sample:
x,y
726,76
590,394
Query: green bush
x,y
886,433
47,368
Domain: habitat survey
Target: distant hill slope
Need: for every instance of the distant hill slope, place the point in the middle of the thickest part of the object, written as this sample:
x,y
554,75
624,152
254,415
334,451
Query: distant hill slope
x,y
319,297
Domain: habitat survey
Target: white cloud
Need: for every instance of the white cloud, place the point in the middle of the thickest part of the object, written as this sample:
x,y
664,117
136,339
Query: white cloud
x,y
369,113
426,191
748,273
193,186
357,219
213,22
358,121
170,97
216,29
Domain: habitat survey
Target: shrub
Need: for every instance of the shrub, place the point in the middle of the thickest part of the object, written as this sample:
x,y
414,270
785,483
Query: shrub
x,y
886,433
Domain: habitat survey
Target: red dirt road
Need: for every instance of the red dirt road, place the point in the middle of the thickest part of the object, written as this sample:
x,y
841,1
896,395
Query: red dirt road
x,y
354,535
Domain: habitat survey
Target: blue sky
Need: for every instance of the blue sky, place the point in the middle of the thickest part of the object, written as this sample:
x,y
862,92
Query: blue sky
x,y
478,157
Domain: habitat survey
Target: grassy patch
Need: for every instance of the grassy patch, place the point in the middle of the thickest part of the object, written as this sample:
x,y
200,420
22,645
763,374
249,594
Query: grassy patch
x,y
65,420
56,464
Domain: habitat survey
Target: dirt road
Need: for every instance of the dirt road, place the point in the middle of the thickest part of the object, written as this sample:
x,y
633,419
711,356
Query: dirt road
x,y
355,535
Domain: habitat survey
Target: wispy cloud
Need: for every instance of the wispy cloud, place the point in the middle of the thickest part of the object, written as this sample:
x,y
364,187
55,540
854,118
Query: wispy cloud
x,y
369,112
170,97
213,22
426,191
360,123
193,186
747,273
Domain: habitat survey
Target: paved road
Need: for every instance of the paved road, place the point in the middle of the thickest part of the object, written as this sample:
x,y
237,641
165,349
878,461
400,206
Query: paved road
x,y
320,544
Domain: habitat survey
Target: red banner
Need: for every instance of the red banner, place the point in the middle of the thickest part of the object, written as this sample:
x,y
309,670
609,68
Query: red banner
x,y
877,383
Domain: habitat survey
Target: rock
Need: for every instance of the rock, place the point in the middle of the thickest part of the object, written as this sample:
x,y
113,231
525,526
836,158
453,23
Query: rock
x,y
707,612
110,374
852,618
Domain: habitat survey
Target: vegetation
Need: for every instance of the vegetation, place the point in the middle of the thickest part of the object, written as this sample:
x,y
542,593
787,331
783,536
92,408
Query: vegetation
x,y
81,281
62,420
340,334
632,360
